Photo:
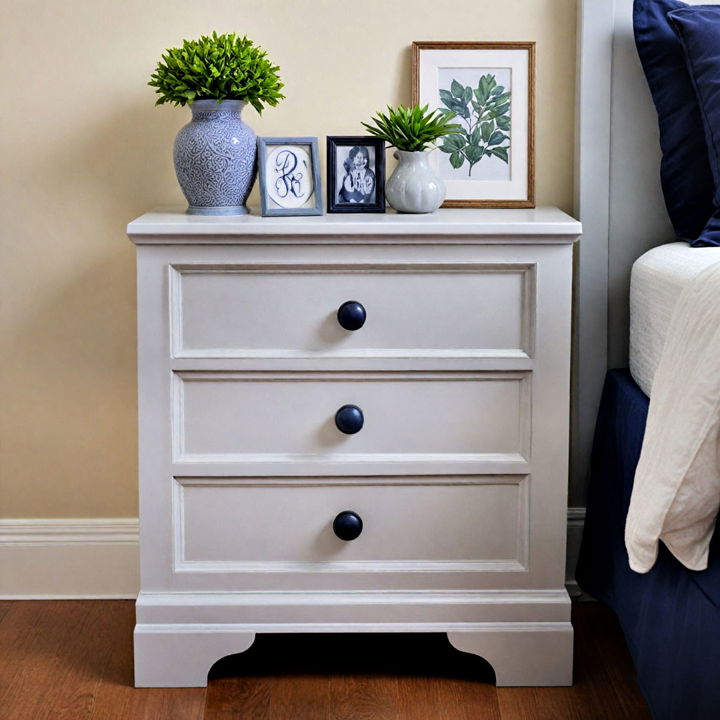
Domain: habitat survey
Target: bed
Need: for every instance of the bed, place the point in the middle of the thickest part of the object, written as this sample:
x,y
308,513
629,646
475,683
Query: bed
x,y
665,403
670,615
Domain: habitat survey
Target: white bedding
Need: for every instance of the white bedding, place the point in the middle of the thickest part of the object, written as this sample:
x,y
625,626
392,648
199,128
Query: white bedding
x,y
658,278
676,493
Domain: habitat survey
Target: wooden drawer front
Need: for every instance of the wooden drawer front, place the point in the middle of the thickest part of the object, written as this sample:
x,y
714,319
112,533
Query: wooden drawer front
x,y
251,521
289,310
221,415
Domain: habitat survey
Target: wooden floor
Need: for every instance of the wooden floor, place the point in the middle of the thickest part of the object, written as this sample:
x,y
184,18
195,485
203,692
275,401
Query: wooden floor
x,y
72,660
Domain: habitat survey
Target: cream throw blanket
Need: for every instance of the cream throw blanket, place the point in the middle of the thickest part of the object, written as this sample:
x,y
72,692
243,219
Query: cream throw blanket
x,y
676,494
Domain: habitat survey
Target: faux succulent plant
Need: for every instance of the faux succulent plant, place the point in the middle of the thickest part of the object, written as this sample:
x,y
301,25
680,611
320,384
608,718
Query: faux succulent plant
x,y
411,128
217,67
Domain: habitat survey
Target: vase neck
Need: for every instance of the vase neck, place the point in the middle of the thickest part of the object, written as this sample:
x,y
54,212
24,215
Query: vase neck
x,y
416,157
210,110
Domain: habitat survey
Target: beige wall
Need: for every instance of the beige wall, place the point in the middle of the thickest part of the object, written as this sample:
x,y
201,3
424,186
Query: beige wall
x,y
84,151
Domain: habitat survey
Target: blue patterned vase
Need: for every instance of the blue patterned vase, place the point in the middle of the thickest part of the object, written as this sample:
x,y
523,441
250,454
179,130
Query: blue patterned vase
x,y
215,158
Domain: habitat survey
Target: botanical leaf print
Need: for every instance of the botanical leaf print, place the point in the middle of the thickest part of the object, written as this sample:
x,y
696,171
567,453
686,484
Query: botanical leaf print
x,y
484,113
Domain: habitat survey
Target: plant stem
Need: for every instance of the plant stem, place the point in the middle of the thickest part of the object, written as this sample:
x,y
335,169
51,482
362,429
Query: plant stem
x,y
477,114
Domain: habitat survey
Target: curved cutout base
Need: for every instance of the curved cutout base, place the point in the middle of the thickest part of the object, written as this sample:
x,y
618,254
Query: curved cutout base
x,y
522,654
169,657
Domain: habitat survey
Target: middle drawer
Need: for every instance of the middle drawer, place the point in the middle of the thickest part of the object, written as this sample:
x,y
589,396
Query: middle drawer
x,y
218,415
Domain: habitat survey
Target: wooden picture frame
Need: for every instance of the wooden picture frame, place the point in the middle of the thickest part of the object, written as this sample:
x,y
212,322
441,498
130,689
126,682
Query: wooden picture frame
x,y
491,88
350,157
289,176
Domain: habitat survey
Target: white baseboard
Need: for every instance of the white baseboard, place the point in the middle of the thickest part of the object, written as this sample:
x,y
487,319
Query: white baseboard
x,y
69,558
97,558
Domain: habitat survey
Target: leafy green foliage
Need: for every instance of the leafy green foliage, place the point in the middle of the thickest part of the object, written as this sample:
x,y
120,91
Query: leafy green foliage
x,y
221,67
412,128
485,110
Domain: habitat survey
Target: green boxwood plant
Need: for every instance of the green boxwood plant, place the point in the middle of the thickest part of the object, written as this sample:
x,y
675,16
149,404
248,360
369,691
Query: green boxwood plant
x,y
412,129
217,67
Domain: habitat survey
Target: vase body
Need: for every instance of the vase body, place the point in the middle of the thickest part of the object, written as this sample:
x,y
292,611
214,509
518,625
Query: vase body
x,y
414,187
215,158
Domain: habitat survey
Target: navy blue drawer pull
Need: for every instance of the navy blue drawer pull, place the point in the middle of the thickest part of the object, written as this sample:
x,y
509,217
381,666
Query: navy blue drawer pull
x,y
351,315
347,525
349,419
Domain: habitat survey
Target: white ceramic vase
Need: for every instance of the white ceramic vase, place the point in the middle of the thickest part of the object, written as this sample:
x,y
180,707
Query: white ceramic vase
x,y
414,187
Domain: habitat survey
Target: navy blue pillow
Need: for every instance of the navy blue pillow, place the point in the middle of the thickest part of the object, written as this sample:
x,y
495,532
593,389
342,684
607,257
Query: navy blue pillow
x,y
685,172
698,30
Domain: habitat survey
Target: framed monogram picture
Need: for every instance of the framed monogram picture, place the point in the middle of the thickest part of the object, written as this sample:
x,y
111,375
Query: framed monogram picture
x,y
289,176
355,174
490,87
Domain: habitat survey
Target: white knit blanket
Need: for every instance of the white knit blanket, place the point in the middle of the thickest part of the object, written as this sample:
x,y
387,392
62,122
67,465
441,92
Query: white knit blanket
x,y
676,494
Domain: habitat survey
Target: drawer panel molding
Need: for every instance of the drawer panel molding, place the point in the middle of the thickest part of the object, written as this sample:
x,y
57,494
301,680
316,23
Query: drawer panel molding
x,y
290,310
228,416
256,525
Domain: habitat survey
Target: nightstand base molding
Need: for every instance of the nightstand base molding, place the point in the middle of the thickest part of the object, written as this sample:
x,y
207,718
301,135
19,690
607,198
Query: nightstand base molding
x,y
525,635
522,654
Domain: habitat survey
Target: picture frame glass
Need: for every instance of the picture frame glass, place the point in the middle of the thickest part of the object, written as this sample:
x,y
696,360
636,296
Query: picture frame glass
x,y
355,177
462,90
489,87
289,181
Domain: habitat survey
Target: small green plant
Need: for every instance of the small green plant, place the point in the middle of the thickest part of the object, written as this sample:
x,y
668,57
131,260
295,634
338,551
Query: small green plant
x,y
412,128
486,112
221,67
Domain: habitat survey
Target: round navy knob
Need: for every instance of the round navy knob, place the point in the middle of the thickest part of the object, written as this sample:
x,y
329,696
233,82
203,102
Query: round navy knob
x,y
347,525
349,419
351,315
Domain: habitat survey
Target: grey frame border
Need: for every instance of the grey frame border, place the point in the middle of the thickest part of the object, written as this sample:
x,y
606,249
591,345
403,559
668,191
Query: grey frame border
x,y
262,143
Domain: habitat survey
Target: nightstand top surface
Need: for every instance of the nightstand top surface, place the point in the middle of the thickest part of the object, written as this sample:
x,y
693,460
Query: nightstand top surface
x,y
170,225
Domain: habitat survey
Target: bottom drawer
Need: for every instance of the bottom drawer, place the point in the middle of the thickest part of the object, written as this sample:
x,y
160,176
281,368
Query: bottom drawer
x,y
413,520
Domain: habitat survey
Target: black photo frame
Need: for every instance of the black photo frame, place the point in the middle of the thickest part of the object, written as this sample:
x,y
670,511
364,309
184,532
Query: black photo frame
x,y
354,187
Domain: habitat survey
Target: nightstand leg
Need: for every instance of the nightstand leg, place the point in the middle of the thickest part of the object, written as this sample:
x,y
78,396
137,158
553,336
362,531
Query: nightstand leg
x,y
522,654
166,657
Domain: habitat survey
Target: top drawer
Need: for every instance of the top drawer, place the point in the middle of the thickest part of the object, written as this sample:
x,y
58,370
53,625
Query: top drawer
x,y
283,310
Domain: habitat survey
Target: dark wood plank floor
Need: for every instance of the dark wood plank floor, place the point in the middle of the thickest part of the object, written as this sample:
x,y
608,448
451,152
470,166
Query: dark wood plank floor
x,y
73,660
